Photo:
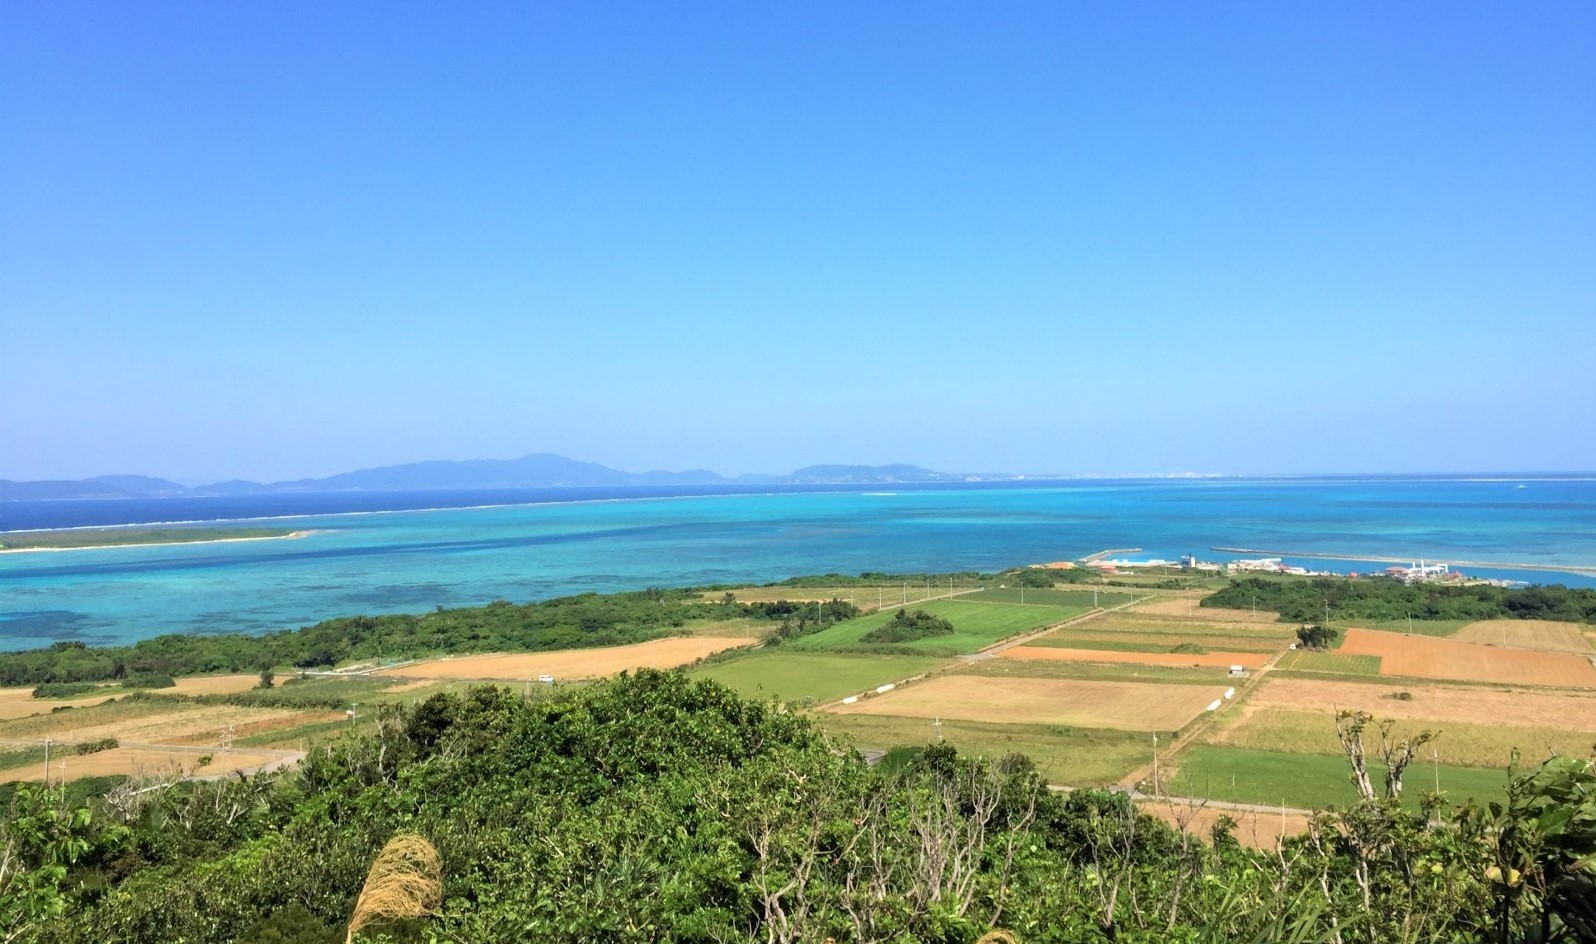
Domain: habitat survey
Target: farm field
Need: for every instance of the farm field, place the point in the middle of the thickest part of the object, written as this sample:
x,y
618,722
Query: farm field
x,y
1545,636
1311,781
976,625
1462,744
572,663
141,763
1251,660
1436,703
20,703
1085,599
1098,671
149,722
1426,657
1329,663
1418,627
822,676
1075,756
1186,607
1254,830
1131,706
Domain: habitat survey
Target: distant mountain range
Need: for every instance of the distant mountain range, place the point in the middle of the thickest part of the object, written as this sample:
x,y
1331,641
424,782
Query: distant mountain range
x,y
534,471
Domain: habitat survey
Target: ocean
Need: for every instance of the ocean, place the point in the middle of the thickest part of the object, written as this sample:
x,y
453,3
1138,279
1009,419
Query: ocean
x,y
413,551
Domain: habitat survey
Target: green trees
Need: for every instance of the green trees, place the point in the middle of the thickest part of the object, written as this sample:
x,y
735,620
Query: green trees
x,y
907,627
653,808
1304,600
1314,636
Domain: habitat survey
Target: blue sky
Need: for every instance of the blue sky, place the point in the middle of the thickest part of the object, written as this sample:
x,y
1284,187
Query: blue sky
x,y
272,240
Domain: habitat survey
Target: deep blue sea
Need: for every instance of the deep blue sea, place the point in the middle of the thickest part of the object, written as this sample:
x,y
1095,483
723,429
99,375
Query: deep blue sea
x,y
412,551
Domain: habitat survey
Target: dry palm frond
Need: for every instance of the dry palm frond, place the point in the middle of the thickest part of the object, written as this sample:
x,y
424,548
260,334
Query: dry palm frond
x,y
997,937
405,881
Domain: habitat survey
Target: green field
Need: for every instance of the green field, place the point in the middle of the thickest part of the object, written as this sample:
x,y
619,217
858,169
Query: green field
x,y
1416,627
976,625
1090,671
1312,781
1307,660
1040,597
823,676
1073,756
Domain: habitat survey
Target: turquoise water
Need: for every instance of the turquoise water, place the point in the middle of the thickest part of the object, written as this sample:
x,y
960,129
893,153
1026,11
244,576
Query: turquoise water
x,y
409,561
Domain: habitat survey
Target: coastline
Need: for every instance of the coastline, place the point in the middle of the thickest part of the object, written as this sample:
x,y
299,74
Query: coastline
x,y
291,536
1580,569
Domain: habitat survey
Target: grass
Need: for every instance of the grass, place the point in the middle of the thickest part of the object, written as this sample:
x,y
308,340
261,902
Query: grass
x,y
21,757
1091,672
1312,781
119,537
1460,744
822,676
976,625
1418,627
1332,663
1074,756
1054,597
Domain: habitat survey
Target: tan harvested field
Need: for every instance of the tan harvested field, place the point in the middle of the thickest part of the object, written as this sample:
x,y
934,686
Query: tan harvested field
x,y
155,723
1251,660
137,763
1462,744
1253,829
1186,607
574,663
20,703
1543,635
1436,704
1129,706
1431,658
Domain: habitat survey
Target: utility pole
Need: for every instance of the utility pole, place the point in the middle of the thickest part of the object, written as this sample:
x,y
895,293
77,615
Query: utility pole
x,y
936,725
1155,765
47,762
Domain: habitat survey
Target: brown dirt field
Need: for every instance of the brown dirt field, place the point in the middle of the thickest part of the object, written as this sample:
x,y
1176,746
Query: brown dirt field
x,y
136,763
573,663
1436,703
1130,706
1545,636
1187,608
212,685
1252,660
20,703
1428,657
1253,830
189,724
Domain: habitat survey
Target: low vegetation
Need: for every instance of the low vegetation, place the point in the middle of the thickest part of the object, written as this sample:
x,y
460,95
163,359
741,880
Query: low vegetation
x,y
905,626
1305,600
654,808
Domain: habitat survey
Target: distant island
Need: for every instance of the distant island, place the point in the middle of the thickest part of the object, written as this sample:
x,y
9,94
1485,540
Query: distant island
x,y
540,470
75,539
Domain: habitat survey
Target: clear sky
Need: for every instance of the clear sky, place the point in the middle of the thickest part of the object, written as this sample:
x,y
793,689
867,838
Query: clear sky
x,y
271,240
